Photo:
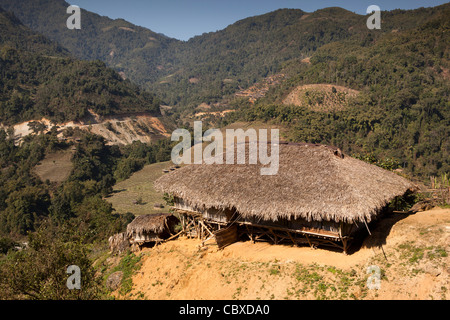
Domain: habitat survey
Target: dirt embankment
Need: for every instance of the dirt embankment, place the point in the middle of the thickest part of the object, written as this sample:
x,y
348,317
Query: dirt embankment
x,y
410,252
125,130
117,129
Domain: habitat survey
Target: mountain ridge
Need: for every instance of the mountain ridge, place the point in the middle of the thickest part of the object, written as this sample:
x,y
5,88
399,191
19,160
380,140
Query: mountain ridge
x,y
41,79
166,65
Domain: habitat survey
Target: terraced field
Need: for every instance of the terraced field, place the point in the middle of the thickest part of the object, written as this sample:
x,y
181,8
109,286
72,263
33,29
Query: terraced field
x,y
140,187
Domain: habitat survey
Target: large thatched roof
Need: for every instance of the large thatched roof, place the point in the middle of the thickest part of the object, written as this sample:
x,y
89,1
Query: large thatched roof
x,y
314,182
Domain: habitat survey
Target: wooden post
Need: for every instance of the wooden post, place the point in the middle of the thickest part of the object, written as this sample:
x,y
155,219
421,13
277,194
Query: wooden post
x,y
167,226
250,234
307,238
201,229
174,236
448,195
188,229
183,223
342,237
292,239
274,235
197,228
367,227
344,243
205,227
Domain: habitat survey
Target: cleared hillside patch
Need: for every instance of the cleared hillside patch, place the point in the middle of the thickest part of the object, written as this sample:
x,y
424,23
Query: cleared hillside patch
x,y
56,166
137,194
321,97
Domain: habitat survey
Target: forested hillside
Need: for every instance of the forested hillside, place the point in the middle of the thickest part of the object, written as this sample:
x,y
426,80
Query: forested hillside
x,y
40,79
401,72
213,65
44,227
218,64
402,110
122,45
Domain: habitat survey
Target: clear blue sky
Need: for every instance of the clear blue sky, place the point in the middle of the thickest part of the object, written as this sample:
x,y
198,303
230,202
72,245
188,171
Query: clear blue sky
x,y
183,19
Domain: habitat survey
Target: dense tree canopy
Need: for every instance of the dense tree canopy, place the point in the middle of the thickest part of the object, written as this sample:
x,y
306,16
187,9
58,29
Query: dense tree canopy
x,y
39,79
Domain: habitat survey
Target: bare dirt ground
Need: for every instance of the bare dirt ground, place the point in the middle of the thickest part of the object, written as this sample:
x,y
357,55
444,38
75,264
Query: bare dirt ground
x,y
56,166
411,252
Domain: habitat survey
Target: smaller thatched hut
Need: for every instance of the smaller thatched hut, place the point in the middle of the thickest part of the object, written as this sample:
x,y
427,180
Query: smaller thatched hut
x,y
151,228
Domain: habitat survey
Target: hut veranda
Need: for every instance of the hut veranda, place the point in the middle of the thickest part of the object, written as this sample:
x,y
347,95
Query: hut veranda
x,y
318,197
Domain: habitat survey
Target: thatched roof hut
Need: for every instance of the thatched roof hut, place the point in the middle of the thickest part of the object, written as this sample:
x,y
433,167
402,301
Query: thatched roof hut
x,y
151,227
314,183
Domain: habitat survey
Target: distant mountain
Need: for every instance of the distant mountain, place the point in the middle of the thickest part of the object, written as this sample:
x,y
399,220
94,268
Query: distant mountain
x,y
122,45
220,63
208,67
213,65
40,79
16,36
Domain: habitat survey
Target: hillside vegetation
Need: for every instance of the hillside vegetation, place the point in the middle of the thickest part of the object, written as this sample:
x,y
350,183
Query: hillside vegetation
x,y
212,65
47,225
402,110
40,79
126,47
321,97
401,72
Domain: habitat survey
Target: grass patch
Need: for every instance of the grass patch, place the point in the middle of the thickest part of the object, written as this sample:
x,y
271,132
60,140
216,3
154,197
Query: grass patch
x,y
436,253
326,283
129,264
140,186
411,252
274,271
